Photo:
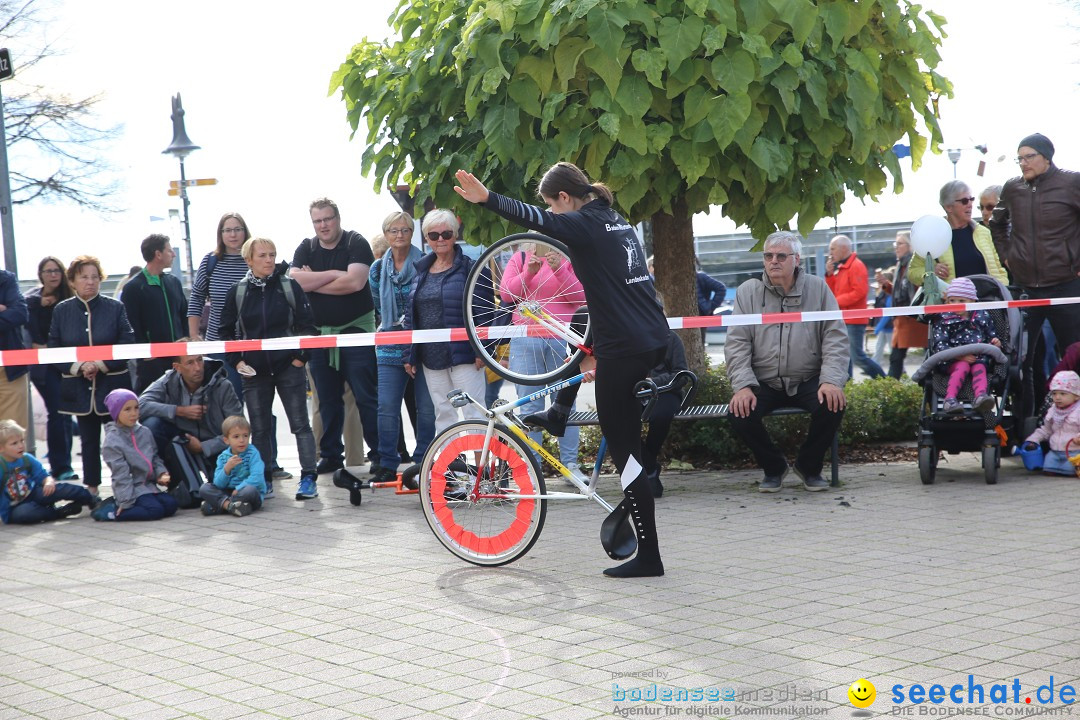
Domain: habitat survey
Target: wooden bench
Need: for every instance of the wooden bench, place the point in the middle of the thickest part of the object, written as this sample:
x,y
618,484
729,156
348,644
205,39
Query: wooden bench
x,y
709,412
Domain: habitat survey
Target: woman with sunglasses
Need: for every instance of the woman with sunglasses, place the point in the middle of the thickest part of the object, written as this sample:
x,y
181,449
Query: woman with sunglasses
x,y
971,251
41,301
630,332
391,280
437,300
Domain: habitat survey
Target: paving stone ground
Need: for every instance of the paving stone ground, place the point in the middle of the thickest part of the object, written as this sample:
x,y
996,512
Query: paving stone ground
x,y
320,610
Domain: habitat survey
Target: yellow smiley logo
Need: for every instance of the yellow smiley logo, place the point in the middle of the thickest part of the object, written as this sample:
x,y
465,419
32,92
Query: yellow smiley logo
x,y
862,693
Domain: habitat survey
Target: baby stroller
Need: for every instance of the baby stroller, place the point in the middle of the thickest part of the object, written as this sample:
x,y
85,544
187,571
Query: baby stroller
x,y
972,431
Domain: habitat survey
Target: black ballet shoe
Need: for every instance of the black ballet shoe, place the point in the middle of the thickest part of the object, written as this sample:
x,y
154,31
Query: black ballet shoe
x,y
551,420
636,568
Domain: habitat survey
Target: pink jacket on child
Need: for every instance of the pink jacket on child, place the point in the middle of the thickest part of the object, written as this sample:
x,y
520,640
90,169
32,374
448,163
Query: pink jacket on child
x,y
1060,426
561,284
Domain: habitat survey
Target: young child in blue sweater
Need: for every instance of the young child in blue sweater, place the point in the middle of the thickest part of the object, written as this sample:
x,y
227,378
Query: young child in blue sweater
x,y
239,487
27,494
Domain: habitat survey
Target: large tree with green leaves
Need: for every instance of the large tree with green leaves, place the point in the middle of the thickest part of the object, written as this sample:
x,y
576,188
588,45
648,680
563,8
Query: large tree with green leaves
x,y
771,109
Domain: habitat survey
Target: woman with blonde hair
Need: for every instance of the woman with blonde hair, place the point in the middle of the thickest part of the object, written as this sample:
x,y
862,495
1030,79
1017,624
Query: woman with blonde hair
x,y
267,303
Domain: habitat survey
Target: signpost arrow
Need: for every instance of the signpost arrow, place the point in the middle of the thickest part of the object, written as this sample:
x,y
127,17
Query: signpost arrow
x,y
175,184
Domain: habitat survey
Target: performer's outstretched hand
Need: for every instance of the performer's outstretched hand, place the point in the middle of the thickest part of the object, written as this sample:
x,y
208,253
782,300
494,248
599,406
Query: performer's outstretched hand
x,y
470,188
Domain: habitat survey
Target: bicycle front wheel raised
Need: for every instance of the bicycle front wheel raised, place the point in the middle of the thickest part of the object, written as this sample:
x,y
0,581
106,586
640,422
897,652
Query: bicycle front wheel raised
x,y
501,525
497,309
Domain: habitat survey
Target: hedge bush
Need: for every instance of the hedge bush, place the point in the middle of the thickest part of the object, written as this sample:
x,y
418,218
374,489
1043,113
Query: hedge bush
x,y
879,410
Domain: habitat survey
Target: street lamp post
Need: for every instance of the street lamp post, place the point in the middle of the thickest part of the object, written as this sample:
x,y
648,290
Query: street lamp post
x,y
180,147
954,155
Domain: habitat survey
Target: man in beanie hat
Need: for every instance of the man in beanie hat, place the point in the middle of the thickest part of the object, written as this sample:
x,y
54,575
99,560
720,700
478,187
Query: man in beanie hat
x,y
1036,230
956,329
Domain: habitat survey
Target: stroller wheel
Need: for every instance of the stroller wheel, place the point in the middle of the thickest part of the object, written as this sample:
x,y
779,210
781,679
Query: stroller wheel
x,y
928,456
990,455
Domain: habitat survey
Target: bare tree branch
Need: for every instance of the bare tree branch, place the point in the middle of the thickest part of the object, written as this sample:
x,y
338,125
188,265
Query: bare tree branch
x,y
55,141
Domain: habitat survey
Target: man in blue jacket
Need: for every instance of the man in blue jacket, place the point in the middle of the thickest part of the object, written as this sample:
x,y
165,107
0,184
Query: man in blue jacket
x,y
13,317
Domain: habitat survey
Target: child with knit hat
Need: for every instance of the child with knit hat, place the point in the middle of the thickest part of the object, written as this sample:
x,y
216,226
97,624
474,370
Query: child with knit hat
x,y
1060,424
138,473
955,329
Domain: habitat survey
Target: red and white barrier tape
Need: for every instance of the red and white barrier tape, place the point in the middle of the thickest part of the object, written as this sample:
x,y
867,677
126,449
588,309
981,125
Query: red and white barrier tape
x,y
69,355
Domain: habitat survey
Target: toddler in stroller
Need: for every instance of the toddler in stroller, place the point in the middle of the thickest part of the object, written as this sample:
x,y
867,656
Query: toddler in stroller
x,y
996,337
1060,426
956,329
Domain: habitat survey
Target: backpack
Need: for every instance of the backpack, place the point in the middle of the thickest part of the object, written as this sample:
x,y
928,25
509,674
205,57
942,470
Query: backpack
x,y
186,474
241,291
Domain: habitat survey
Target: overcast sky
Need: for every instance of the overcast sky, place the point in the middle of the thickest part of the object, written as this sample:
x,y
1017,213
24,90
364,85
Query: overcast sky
x,y
254,84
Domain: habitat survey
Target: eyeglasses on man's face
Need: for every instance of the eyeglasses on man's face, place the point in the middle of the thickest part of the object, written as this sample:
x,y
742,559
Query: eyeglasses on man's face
x,y
779,257
323,220
445,235
1021,159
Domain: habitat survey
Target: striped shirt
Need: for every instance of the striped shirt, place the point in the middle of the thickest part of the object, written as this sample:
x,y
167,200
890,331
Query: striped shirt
x,y
229,270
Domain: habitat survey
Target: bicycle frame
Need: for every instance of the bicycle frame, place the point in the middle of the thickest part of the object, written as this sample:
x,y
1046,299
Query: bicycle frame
x,y
497,416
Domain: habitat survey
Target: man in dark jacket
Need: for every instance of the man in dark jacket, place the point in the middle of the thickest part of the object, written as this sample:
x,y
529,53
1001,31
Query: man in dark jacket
x,y
190,401
1036,229
13,317
156,307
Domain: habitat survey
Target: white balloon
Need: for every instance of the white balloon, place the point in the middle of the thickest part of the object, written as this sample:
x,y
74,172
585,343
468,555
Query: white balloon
x,y
931,234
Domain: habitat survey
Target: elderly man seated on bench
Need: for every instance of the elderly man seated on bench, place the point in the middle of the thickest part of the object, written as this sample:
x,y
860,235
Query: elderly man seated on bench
x,y
779,365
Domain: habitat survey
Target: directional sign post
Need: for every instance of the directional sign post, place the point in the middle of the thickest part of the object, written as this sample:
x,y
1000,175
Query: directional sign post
x,y
176,185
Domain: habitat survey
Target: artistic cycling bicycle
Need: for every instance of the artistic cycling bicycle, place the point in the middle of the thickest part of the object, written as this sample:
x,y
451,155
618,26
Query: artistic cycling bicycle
x,y
482,490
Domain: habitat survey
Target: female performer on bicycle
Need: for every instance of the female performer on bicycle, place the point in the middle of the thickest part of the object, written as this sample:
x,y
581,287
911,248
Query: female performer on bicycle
x,y
628,326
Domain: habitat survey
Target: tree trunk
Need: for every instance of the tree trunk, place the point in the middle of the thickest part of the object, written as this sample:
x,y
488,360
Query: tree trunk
x,y
676,273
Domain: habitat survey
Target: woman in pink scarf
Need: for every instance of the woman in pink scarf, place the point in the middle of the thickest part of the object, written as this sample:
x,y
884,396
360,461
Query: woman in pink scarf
x,y
528,275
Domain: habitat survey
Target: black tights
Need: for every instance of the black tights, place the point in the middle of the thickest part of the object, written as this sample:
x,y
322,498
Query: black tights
x,y
620,421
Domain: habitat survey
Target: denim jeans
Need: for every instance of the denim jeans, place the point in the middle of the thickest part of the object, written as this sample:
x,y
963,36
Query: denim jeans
x,y
58,428
357,368
856,335
534,355
237,381
214,495
291,386
39,508
392,382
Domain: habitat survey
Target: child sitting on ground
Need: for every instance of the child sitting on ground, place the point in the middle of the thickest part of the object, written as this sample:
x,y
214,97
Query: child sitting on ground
x,y
138,473
1060,424
955,329
238,487
28,495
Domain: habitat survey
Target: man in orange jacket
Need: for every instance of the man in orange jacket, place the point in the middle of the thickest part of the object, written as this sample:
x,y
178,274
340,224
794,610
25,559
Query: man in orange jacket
x,y
847,278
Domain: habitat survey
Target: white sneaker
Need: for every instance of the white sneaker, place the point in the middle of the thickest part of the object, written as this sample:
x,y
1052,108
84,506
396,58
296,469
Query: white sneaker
x,y
576,470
